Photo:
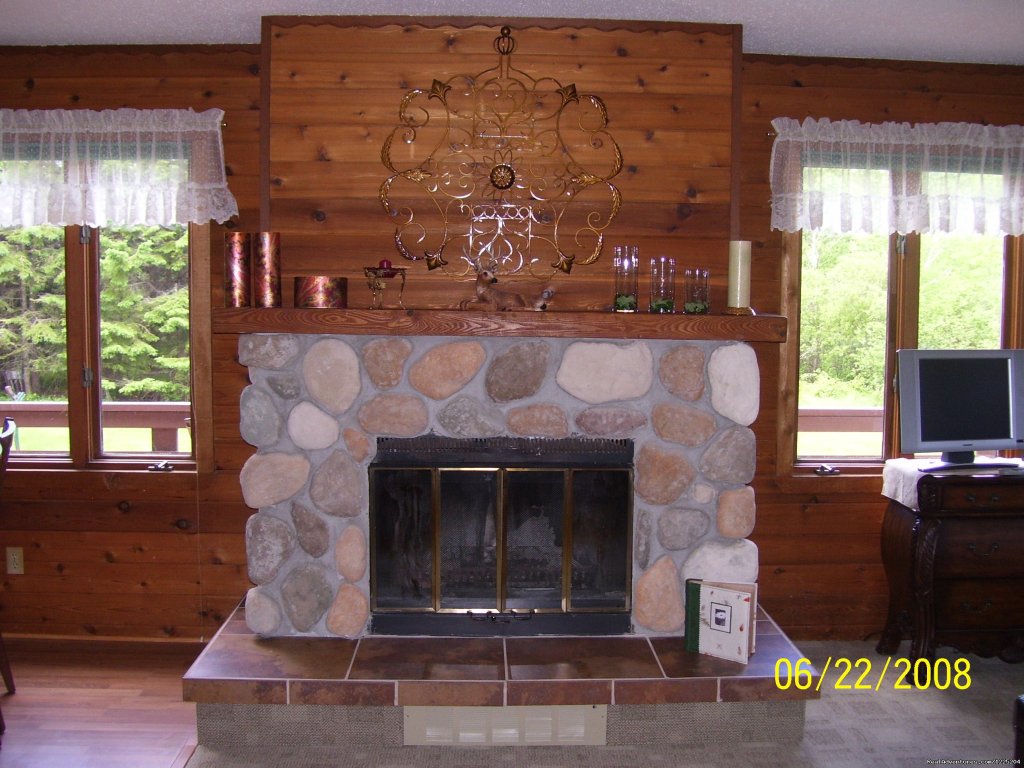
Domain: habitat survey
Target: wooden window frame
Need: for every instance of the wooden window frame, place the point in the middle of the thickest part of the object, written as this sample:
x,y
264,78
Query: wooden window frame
x,y
82,311
901,331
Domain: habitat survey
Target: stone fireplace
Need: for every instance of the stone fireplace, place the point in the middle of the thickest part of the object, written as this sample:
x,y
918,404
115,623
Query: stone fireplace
x,y
320,408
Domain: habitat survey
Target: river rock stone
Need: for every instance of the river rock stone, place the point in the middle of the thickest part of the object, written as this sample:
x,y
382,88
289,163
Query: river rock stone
x,y
661,476
682,424
600,372
721,560
310,530
269,478
349,612
610,421
731,457
350,554
267,350
260,423
385,361
702,493
465,416
541,420
331,372
262,613
681,528
659,603
447,368
394,415
269,542
310,428
735,383
681,370
357,442
518,372
642,539
287,386
306,595
337,486
736,512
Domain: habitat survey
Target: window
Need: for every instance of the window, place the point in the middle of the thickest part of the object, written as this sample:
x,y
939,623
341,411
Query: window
x,y
136,358
843,311
97,212
845,191
847,299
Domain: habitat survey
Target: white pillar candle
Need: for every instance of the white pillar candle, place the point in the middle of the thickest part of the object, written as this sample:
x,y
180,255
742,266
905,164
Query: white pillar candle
x,y
739,274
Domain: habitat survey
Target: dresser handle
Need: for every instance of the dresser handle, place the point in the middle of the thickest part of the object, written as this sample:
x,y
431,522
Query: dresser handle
x,y
965,606
993,548
994,497
971,497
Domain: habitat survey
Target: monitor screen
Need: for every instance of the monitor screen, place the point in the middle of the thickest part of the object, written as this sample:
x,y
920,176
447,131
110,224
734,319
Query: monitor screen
x,y
957,402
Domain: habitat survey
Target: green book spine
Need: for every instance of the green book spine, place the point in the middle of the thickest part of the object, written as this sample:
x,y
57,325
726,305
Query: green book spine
x,y
692,626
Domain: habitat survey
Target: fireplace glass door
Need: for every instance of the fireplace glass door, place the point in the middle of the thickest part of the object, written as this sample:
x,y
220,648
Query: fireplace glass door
x,y
500,541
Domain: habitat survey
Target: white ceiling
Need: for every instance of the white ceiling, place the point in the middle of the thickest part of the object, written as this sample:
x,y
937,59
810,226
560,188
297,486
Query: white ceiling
x,y
984,31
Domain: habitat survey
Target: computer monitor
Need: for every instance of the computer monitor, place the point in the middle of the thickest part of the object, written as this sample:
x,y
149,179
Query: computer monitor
x,y
960,401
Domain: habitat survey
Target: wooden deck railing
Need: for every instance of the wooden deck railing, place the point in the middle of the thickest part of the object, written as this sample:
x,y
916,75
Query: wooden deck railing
x,y
840,419
162,419
165,419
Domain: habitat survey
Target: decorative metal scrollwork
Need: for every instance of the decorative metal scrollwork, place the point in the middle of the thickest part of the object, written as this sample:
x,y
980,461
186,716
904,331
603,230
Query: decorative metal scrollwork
x,y
502,171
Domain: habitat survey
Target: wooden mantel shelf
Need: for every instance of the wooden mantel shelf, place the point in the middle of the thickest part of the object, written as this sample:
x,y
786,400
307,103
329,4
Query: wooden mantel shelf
x,y
443,322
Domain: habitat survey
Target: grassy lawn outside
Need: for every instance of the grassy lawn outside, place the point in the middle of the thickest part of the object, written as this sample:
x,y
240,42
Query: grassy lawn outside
x,y
839,444
115,440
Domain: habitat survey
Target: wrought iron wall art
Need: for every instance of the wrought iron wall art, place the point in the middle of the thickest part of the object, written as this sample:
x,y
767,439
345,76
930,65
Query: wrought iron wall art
x,y
501,171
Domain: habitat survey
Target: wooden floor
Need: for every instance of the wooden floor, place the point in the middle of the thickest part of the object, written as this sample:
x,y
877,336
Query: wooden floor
x,y
97,704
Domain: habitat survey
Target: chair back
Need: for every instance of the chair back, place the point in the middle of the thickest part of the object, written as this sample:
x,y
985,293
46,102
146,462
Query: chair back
x,y
6,438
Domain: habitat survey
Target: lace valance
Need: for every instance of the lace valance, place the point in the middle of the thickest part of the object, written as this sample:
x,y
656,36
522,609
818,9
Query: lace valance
x,y
113,167
846,176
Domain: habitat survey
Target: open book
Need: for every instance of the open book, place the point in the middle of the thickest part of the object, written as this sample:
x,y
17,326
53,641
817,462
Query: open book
x,y
720,618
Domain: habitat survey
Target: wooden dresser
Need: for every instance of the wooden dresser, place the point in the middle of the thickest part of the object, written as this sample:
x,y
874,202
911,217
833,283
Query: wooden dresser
x,y
954,558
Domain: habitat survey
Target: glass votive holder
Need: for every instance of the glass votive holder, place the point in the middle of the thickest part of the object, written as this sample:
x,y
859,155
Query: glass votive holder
x,y
663,285
696,299
626,263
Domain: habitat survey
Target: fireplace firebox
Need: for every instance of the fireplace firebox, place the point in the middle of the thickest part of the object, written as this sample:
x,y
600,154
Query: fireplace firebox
x,y
501,536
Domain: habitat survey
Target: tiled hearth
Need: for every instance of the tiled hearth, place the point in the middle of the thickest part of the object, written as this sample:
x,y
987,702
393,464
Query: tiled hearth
x,y
238,667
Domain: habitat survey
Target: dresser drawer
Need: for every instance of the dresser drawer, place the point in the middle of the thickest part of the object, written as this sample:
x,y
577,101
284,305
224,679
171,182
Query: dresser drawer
x,y
966,497
979,604
982,546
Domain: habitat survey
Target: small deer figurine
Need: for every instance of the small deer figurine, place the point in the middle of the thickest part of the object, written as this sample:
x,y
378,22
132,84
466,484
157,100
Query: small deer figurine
x,y
489,297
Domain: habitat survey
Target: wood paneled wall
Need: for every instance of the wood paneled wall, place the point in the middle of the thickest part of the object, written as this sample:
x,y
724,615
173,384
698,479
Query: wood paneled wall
x,y
121,553
335,87
821,572
162,555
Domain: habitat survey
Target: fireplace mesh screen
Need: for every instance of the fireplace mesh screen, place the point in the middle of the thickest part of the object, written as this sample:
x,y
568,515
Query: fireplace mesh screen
x,y
501,531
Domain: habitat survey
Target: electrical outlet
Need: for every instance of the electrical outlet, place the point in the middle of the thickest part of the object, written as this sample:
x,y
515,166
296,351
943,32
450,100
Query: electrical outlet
x,y
15,561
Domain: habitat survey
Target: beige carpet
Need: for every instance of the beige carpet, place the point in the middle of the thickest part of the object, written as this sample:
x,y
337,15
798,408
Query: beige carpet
x,y
845,729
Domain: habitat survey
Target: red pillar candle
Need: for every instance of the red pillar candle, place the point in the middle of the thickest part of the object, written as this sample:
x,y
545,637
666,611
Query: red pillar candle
x,y
237,269
267,269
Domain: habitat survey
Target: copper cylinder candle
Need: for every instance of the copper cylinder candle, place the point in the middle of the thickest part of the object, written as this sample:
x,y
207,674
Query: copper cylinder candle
x,y
321,291
267,269
237,269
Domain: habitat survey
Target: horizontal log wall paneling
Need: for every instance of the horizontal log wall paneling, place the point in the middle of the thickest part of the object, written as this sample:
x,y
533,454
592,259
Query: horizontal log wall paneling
x,y
821,573
137,554
335,90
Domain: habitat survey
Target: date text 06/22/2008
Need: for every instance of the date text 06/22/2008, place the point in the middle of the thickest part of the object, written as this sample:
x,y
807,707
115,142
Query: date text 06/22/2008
x,y
863,674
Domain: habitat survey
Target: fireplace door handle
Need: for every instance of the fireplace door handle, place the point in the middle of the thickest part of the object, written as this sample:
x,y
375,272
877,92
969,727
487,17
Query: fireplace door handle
x,y
505,618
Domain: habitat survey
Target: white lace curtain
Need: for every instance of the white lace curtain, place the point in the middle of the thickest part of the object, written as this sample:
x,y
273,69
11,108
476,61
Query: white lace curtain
x,y
846,176
113,167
